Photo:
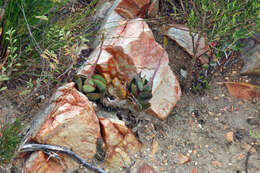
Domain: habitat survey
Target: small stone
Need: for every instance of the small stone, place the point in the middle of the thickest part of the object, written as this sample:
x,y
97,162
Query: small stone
x,y
215,98
184,73
194,152
145,168
211,113
230,136
252,61
216,163
241,156
181,35
229,99
154,146
183,159
194,170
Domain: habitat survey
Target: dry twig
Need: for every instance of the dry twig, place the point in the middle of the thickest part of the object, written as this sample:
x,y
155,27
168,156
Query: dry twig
x,y
58,149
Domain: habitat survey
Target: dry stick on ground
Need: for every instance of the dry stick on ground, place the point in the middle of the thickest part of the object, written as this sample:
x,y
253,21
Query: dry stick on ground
x,y
247,158
62,150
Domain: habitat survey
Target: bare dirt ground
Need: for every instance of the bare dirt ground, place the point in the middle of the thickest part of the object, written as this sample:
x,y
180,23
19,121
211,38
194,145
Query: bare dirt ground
x,y
202,136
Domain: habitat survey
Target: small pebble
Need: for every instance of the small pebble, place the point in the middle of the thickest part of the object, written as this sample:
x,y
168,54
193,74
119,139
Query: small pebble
x,y
215,98
230,136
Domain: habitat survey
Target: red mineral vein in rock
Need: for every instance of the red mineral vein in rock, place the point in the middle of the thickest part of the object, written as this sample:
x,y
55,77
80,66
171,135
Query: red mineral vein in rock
x,y
120,142
37,162
71,123
132,8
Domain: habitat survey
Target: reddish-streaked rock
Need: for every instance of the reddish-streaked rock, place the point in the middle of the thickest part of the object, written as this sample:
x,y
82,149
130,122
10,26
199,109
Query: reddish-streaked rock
x,y
230,136
121,10
216,163
242,90
134,50
145,168
71,122
120,142
181,35
194,170
131,9
38,162
183,159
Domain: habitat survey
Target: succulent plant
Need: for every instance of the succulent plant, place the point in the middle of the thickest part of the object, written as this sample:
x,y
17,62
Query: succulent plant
x,y
141,91
94,88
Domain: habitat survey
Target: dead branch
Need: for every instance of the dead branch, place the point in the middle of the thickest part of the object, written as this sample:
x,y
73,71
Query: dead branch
x,y
58,149
195,46
247,158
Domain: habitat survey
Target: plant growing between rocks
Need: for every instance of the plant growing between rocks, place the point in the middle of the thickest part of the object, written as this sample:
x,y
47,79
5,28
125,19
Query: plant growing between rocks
x,y
223,23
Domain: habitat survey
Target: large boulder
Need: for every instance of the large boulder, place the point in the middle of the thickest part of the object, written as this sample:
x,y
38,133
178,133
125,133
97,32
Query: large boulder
x,y
70,122
121,10
134,50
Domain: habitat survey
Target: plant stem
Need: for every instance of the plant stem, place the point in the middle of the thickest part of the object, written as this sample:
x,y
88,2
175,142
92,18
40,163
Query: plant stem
x,y
100,51
195,47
